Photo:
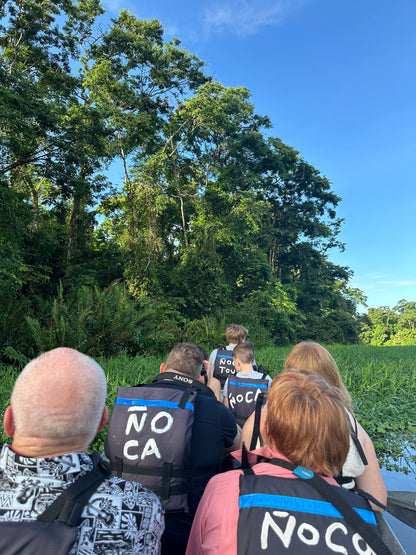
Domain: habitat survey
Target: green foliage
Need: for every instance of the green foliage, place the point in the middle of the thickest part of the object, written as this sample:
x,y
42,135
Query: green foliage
x,y
15,338
215,220
94,322
382,383
385,326
270,315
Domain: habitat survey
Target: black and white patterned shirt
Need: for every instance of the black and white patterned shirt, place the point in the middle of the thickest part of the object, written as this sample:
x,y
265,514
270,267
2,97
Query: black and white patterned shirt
x,y
120,518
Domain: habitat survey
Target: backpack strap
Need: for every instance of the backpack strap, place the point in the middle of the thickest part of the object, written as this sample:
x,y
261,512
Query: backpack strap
x,y
245,465
67,507
205,375
167,472
341,479
371,498
332,496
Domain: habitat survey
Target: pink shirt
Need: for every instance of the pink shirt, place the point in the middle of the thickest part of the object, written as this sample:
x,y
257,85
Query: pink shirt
x,y
214,530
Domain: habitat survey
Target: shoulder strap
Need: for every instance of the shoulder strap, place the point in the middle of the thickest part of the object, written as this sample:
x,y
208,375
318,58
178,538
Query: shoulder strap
x,y
354,437
68,506
371,498
185,380
205,375
245,465
256,427
330,494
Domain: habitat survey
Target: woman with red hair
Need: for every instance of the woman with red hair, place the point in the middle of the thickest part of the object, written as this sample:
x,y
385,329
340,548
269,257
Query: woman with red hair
x,y
361,467
268,508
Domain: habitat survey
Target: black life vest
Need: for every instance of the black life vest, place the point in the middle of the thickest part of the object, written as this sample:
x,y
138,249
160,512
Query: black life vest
x,y
149,437
243,394
223,365
285,514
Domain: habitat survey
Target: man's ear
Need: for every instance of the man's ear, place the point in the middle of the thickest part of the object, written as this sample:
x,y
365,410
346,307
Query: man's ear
x,y
8,422
104,419
162,368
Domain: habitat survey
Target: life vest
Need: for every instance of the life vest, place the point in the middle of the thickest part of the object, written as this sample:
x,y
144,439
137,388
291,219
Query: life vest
x,y
149,437
243,394
223,365
285,514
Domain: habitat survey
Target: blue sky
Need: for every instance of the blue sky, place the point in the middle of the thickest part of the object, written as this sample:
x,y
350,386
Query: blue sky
x,y
338,80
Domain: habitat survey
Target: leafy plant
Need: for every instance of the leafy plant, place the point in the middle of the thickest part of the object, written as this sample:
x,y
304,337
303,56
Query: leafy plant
x,y
96,322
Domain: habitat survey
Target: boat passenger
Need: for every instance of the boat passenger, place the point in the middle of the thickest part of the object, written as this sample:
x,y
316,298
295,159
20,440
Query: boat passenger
x,y
361,468
265,507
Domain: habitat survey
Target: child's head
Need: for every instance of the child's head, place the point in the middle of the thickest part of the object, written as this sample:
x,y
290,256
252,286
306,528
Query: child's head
x,y
235,334
244,352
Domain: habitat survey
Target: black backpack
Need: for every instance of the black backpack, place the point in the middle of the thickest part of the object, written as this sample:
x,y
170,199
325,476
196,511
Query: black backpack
x,y
55,530
261,369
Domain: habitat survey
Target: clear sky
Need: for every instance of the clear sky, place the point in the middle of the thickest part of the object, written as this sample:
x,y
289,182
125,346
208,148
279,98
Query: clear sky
x,y
338,80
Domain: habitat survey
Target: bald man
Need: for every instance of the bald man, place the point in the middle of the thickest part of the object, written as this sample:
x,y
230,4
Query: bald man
x,y
57,407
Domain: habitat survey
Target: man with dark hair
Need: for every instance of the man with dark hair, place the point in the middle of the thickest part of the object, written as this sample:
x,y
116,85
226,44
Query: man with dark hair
x,y
171,435
57,406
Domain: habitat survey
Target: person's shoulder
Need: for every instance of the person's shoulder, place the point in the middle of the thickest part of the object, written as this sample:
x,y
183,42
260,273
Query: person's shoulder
x,y
225,416
250,374
222,481
211,409
206,398
263,376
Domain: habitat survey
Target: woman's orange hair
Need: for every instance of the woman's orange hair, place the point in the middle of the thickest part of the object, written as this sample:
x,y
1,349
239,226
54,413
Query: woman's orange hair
x,y
306,421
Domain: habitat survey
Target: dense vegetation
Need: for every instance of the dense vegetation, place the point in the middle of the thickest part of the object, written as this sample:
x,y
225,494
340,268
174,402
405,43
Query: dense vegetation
x,y
390,326
215,218
381,380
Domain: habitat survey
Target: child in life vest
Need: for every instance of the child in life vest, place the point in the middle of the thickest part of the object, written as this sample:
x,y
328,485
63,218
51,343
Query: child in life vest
x,y
242,390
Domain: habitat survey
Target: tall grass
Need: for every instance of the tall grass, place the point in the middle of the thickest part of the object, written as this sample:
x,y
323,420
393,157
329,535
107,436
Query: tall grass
x,y
382,383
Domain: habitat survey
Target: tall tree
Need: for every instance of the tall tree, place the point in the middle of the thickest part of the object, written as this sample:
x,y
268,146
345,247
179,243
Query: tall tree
x,y
48,136
136,79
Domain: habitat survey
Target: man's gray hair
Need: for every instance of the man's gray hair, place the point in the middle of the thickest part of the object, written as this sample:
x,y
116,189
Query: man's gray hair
x,y
59,394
